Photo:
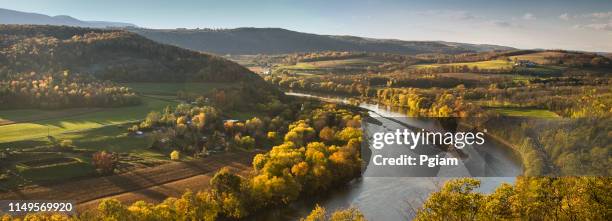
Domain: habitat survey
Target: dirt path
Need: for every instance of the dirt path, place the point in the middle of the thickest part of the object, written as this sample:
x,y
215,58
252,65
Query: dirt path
x,y
150,184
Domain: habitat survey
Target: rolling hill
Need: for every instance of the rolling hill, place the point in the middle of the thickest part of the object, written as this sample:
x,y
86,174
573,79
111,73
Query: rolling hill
x,y
116,55
8,16
281,41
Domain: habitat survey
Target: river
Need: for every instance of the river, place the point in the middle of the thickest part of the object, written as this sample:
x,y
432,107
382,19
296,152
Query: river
x,y
397,198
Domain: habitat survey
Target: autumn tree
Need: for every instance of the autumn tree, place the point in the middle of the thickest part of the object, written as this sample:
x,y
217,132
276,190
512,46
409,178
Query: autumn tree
x,y
327,134
104,162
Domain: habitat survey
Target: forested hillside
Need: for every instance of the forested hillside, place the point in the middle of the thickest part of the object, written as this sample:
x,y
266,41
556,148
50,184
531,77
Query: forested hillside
x,y
281,41
120,56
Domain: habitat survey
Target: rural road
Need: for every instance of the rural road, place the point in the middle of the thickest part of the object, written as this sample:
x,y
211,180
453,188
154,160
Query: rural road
x,y
149,184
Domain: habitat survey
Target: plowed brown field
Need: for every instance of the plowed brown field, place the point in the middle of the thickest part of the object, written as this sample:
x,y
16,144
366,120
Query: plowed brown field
x,y
149,184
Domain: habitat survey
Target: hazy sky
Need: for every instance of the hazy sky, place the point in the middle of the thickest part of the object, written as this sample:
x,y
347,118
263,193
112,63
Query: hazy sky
x,y
578,25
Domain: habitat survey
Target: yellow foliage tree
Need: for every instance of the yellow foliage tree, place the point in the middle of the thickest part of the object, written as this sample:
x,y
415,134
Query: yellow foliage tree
x,y
175,155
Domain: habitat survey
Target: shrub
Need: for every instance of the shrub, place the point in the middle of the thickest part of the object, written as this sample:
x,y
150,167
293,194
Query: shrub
x,y
254,125
175,155
246,142
104,162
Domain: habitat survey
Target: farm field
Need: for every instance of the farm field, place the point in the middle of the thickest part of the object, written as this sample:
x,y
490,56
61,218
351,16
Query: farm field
x,y
25,115
476,76
154,183
58,126
341,63
492,64
539,70
524,112
324,67
103,129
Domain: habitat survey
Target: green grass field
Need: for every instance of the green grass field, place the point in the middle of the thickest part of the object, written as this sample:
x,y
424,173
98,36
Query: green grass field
x,y
59,172
57,126
322,67
25,115
299,66
98,128
524,112
492,64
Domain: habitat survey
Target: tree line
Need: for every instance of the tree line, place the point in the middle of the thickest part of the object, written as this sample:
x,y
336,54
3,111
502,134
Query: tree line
x,y
530,198
62,90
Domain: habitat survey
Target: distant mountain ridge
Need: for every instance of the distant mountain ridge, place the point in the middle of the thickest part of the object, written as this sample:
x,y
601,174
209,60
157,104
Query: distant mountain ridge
x,y
282,41
479,47
255,40
8,16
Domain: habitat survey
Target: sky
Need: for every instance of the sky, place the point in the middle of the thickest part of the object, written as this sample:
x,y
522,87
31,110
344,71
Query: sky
x,y
550,24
